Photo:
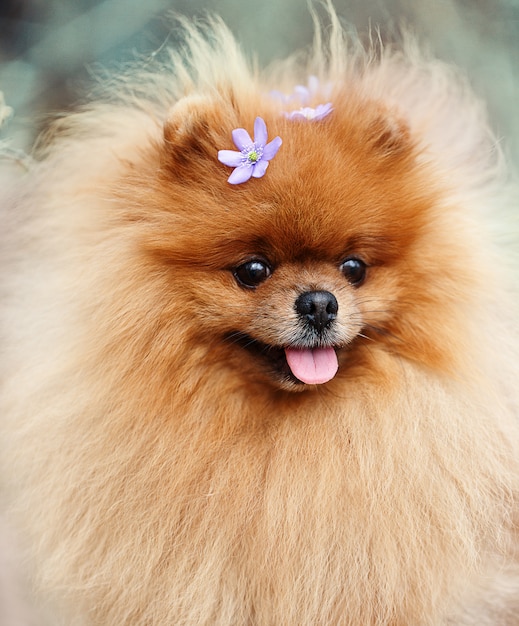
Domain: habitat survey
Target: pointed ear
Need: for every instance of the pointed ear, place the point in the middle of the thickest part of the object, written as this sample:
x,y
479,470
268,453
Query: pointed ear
x,y
191,138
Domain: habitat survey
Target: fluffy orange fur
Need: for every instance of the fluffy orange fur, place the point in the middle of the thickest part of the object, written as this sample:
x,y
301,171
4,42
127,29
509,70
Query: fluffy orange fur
x,y
159,469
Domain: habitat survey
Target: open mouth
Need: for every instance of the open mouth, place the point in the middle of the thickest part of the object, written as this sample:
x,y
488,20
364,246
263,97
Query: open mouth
x,y
295,364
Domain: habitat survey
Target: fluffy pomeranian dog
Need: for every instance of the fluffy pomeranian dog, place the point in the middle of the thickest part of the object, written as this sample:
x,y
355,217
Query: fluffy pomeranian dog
x,y
260,350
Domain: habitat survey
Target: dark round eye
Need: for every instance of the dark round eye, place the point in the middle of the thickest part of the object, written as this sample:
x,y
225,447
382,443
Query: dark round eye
x,y
252,273
354,270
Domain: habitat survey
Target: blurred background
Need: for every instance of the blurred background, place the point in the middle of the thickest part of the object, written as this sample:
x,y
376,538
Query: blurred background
x,y
48,48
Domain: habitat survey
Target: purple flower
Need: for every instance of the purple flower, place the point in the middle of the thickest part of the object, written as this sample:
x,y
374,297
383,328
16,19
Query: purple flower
x,y
253,156
310,114
302,96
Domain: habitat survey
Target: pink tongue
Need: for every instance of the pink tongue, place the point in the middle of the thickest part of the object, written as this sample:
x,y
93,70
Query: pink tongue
x,y
312,366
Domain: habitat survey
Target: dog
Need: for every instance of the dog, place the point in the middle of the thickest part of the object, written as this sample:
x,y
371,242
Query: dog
x,y
260,346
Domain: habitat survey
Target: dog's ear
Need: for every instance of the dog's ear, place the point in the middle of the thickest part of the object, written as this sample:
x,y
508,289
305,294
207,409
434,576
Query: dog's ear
x,y
191,136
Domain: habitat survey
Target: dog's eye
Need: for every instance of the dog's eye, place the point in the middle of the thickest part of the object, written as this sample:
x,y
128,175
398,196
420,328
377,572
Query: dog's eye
x,y
252,273
354,270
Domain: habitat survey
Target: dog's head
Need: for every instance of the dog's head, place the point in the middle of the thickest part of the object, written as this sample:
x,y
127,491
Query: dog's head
x,y
336,251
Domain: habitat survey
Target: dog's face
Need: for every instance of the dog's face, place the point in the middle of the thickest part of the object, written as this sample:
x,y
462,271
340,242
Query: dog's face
x,y
307,271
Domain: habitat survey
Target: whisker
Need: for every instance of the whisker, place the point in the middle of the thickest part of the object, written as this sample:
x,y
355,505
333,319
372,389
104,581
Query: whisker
x,y
233,337
240,337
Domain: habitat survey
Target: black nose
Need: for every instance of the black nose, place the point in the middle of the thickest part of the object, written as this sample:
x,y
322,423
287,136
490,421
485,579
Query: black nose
x,y
319,308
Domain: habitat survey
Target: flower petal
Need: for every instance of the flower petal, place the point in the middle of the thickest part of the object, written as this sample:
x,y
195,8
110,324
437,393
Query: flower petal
x,y
309,114
230,157
240,174
270,150
241,138
260,131
295,115
260,168
322,110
